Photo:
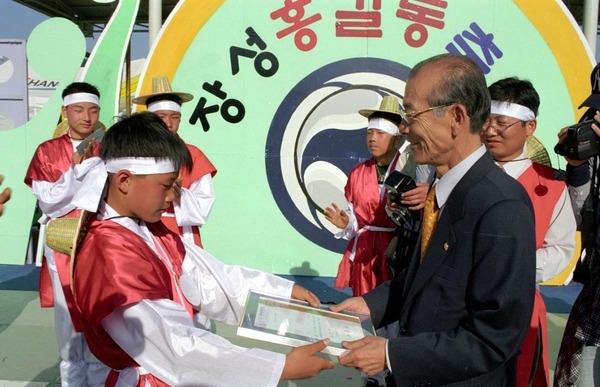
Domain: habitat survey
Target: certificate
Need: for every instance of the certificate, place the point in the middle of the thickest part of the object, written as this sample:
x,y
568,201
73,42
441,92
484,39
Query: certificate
x,y
295,323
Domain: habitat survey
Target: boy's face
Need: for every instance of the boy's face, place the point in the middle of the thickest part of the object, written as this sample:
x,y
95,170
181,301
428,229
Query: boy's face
x,y
171,118
381,143
83,118
149,196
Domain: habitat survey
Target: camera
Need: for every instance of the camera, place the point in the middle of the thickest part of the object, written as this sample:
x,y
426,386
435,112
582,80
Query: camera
x,y
396,183
580,143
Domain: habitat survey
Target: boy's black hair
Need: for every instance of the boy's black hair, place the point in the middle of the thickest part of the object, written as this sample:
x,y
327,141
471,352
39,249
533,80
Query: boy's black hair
x,y
80,87
516,90
162,97
144,135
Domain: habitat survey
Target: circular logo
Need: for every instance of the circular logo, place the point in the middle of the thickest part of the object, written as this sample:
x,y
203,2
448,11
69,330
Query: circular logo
x,y
317,136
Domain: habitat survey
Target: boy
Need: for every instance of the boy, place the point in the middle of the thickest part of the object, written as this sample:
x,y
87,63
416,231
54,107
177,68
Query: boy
x,y
50,177
137,284
195,193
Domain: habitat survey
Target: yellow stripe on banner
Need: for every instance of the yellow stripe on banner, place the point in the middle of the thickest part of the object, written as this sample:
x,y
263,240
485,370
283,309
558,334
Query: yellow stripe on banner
x,y
564,275
184,25
544,15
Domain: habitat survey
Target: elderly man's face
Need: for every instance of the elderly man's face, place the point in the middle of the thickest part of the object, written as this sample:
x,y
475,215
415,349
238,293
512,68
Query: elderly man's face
x,y
428,131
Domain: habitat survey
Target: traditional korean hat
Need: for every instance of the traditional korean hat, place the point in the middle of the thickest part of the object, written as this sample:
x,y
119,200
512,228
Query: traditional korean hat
x,y
389,106
536,151
162,86
63,127
65,234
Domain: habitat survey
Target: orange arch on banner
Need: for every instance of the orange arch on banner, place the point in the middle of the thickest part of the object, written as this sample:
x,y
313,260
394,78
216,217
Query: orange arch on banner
x,y
560,42
172,43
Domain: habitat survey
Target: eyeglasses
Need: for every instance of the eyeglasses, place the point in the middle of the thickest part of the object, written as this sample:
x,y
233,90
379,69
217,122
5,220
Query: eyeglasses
x,y
498,128
409,116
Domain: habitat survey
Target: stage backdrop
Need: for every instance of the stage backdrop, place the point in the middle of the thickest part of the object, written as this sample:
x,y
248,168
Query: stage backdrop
x,y
277,86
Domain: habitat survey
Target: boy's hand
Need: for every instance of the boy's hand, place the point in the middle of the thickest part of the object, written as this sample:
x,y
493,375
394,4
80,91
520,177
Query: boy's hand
x,y
336,216
302,362
4,195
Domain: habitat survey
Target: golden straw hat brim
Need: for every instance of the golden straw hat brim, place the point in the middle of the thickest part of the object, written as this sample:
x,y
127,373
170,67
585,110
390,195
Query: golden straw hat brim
x,y
63,128
536,151
162,86
65,234
390,105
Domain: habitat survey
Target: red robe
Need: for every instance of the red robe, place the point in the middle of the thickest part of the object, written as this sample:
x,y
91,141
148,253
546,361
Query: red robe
x,y
50,160
114,268
544,191
370,267
202,166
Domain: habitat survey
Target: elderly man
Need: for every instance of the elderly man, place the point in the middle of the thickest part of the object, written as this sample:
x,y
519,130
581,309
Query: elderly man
x,y
465,301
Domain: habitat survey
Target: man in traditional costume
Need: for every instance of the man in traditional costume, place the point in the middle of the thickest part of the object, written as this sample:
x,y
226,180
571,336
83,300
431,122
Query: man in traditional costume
x,y
51,160
196,195
366,223
513,119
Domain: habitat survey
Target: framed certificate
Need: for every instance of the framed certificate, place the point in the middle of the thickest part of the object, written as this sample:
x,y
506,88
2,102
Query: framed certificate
x,y
294,323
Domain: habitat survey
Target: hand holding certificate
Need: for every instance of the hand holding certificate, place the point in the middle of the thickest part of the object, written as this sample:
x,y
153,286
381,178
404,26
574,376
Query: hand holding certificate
x,y
294,323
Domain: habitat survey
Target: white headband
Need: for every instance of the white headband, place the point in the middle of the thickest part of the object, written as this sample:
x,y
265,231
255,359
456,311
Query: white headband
x,y
140,165
164,105
80,97
385,125
514,110
92,174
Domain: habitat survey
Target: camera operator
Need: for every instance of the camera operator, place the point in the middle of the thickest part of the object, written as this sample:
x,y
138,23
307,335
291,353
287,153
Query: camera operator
x,y
578,363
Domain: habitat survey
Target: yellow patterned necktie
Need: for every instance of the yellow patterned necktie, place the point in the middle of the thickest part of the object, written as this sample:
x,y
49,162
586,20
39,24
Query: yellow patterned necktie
x,y
430,215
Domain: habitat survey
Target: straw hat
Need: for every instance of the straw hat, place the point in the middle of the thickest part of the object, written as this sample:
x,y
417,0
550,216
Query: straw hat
x,y
63,128
536,151
390,105
65,234
161,85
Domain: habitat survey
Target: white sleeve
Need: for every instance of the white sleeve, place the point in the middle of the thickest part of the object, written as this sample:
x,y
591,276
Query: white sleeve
x,y
55,198
160,337
195,203
218,290
559,243
351,228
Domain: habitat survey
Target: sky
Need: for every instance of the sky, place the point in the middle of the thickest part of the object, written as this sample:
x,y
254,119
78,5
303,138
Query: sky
x,y
17,21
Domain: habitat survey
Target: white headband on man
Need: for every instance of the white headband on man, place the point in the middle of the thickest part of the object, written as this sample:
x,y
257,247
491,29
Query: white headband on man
x,y
80,97
164,105
385,125
514,110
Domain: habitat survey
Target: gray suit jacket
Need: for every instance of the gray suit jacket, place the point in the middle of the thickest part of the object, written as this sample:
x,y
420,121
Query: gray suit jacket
x,y
464,311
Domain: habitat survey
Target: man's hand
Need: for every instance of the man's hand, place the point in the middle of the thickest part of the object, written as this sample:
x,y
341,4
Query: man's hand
x,y
4,196
301,293
336,216
366,355
302,362
353,304
415,198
